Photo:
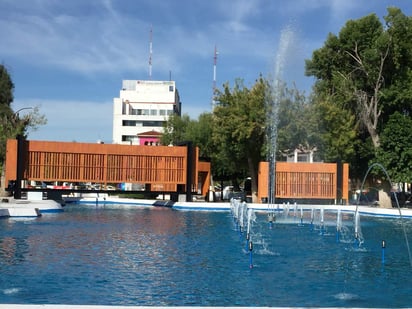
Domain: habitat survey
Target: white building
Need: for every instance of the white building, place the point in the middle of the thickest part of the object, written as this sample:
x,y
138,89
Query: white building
x,y
143,107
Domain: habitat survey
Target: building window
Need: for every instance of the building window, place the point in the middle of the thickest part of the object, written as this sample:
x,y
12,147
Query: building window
x,y
131,123
150,112
153,123
128,138
139,112
171,88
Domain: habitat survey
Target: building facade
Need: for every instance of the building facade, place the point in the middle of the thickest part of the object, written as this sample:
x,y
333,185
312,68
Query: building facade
x,y
143,107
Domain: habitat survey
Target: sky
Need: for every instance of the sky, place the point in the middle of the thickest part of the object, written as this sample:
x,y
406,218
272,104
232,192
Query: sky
x,y
68,58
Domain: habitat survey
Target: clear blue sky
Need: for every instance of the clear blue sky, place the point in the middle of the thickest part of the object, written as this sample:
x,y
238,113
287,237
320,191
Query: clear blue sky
x,y
70,57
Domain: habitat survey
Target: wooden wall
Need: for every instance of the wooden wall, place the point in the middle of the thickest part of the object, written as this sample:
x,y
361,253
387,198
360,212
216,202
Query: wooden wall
x,y
305,181
162,167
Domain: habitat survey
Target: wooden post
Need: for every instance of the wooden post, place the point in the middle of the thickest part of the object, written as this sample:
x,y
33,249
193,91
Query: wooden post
x,y
19,167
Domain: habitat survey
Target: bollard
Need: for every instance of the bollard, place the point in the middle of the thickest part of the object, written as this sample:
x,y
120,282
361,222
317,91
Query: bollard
x,y
250,255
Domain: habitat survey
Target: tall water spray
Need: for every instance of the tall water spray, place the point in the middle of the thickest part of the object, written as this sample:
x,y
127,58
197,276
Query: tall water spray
x,y
338,224
273,98
358,231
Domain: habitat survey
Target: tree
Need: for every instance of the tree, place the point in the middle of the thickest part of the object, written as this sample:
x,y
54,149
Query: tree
x,y
397,94
200,132
12,124
239,131
365,72
174,130
178,129
6,89
297,127
395,151
336,127
354,63
234,136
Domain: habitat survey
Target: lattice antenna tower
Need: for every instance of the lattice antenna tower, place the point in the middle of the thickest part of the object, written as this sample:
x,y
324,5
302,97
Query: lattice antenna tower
x,y
150,51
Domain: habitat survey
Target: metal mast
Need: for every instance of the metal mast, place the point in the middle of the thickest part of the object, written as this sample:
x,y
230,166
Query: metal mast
x,y
214,77
150,52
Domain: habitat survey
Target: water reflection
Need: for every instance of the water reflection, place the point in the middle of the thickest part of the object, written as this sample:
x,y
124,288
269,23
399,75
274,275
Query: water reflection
x,y
12,250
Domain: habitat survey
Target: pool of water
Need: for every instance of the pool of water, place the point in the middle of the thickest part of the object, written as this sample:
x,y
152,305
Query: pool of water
x,y
164,257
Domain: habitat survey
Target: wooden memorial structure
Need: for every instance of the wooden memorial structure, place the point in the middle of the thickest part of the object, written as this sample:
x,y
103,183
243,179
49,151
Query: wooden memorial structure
x,y
160,168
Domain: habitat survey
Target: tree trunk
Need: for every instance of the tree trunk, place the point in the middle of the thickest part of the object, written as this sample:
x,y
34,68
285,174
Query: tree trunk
x,y
2,182
369,113
368,104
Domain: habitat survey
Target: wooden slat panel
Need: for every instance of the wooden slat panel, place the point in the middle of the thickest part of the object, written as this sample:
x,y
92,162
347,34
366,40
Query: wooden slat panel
x,y
101,163
163,167
303,180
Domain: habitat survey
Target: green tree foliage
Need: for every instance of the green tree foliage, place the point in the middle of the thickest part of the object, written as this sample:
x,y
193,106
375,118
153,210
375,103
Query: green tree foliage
x,y
397,95
363,76
239,130
336,132
9,123
12,123
200,132
6,89
297,125
234,136
178,129
349,68
395,151
175,130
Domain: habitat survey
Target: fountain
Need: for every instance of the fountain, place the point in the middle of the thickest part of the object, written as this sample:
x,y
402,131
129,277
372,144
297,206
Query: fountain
x,y
244,217
285,210
322,221
289,266
273,97
241,217
249,242
312,217
338,224
358,233
250,217
357,224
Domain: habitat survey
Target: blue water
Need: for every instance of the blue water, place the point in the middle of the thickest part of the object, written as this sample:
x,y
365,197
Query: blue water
x,y
164,257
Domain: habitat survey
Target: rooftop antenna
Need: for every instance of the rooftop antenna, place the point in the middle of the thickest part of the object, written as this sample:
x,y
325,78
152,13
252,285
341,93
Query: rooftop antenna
x,y
150,52
214,77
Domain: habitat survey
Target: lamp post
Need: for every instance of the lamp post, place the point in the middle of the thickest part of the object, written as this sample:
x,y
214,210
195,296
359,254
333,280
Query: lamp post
x,y
21,109
16,113
16,121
